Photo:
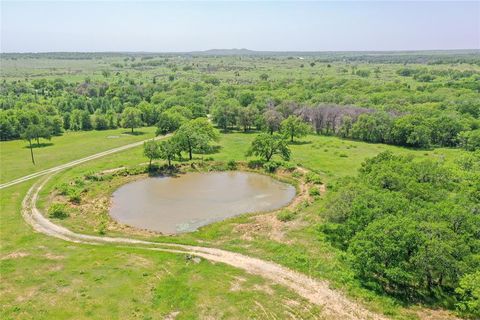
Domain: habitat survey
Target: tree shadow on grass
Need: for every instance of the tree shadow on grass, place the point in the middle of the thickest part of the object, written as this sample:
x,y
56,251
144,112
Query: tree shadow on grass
x,y
40,145
211,150
134,133
299,143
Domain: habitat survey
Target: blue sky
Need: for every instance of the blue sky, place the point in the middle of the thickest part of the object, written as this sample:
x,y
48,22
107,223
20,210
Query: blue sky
x,y
186,26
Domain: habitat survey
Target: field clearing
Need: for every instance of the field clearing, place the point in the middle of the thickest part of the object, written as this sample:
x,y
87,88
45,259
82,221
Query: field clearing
x,y
329,156
15,155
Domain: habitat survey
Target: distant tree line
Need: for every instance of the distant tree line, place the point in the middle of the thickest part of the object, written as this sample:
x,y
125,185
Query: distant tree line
x,y
443,111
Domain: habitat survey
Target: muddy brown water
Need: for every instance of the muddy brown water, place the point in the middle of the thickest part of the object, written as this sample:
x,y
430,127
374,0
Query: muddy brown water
x,y
183,204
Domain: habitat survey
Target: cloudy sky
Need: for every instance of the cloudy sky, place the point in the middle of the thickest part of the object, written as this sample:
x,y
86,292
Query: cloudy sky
x,y
40,26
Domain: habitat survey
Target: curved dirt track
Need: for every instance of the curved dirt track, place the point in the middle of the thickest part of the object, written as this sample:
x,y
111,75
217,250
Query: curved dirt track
x,y
75,162
334,304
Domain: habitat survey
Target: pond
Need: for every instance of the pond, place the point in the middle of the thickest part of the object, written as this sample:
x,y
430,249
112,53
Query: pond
x,y
184,203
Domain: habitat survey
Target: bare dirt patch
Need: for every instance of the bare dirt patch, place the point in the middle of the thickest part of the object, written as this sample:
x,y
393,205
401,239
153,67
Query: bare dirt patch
x,y
237,283
28,294
268,223
172,315
52,256
15,255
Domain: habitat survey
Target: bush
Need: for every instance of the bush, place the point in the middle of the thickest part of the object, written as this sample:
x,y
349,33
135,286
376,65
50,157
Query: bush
x,y
57,211
286,215
271,167
289,166
255,164
63,189
102,228
297,174
74,196
314,191
231,165
312,177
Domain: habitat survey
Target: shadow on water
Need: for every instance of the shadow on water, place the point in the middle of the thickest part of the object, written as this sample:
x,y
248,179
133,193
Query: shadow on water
x,y
40,145
164,171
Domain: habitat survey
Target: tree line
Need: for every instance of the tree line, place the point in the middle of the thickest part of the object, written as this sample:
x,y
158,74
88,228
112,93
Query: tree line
x,y
440,112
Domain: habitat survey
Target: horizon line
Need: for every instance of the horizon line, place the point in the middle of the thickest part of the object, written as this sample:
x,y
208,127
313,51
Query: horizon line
x,y
247,50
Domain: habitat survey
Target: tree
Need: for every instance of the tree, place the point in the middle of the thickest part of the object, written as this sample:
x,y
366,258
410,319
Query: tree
x,y
168,151
85,121
446,129
373,127
293,126
347,123
470,140
195,135
131,118
245,98
267,145
151,150
57,125
100,121
35,131
411,130
169,121
247,117
469,291
225,115
379,253
272,120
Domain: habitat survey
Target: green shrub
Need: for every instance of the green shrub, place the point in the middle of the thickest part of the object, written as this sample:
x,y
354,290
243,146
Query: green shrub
x,y
312,177
74,196
57,211
343,155
102,228
63,189
231,165
255,164
271,167
93,177
314,191
297,174
79,182
286,215
288,166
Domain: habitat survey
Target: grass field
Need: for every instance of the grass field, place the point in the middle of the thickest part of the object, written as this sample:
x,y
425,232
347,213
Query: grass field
x,y
45,278
15,157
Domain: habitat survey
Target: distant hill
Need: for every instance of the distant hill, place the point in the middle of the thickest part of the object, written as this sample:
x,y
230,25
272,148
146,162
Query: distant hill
x,y
226,52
